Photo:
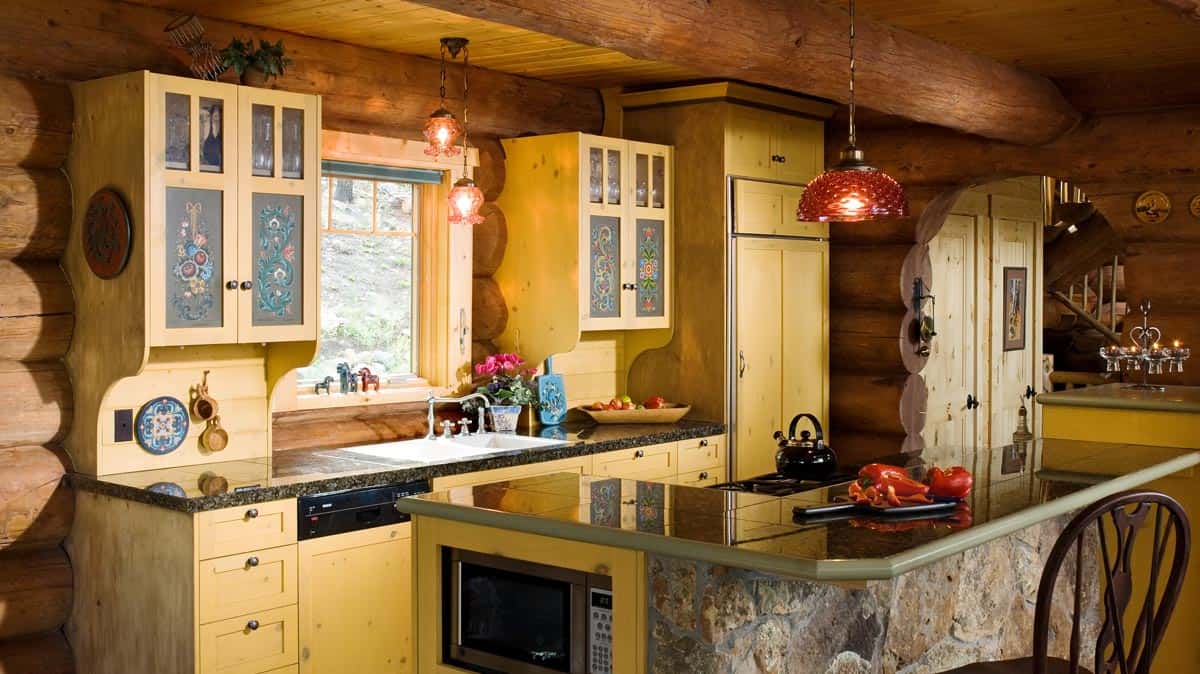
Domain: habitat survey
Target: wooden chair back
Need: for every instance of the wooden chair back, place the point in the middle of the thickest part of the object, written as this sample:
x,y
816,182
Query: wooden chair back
x,y
1119,519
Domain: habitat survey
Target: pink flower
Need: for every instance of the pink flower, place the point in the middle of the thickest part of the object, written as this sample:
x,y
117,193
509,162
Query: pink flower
x,y
289,251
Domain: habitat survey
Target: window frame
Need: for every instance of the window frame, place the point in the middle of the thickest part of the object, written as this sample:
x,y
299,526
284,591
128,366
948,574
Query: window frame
x,y
442,268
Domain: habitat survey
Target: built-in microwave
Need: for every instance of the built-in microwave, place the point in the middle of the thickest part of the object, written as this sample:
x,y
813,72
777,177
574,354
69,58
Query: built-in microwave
x,y
506,615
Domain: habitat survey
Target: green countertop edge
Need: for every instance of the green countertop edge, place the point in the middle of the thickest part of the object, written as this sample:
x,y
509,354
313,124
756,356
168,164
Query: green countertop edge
x,y
1081,398
806,569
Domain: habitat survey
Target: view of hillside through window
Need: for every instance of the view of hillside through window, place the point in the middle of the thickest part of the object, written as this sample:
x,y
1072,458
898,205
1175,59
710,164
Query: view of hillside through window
x,y
368,278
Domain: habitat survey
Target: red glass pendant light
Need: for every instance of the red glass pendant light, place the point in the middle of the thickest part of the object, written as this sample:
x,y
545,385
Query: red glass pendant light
x,y
442,130
465,198
852,190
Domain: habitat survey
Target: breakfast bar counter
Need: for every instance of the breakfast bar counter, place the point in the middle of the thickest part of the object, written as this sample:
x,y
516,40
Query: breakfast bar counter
x,y
724,581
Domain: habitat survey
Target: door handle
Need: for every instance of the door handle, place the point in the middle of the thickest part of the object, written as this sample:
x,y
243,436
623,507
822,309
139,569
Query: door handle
x,y
741,363
1030,392
972,402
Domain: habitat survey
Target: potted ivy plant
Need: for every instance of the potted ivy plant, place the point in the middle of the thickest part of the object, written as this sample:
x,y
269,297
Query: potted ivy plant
x,y
255,66
510,389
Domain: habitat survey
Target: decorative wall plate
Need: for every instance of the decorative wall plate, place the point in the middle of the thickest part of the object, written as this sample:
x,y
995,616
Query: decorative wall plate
x,y
167,489
161,425
1152,207
107,234
1194,206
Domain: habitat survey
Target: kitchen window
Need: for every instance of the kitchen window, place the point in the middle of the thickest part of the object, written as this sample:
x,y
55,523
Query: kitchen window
x,y
370,248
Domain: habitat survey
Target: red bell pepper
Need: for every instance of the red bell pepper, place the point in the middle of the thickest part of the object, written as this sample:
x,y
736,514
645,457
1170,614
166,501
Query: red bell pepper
x,y
955,482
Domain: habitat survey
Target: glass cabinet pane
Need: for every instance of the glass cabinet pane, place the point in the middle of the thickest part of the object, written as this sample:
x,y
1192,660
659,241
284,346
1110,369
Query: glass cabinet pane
x,y
604,267
178,153
596,175
277,236
293,143
658,190
262,140
193,258
649,267
641,180
210,136
614,176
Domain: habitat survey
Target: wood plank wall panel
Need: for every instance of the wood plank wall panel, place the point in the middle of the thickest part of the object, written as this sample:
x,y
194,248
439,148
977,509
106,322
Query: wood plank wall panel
x,y
37,507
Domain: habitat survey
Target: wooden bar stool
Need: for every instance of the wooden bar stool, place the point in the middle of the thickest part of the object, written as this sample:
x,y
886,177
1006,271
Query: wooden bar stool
x,y
1125,514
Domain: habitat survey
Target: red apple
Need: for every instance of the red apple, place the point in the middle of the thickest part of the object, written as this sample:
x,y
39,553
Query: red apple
x,y
655,402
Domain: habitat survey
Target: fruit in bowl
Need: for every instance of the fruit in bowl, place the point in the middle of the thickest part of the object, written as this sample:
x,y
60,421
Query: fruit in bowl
x,y
655,403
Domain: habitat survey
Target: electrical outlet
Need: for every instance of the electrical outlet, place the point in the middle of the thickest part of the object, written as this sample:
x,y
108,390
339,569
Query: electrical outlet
x,y
122,425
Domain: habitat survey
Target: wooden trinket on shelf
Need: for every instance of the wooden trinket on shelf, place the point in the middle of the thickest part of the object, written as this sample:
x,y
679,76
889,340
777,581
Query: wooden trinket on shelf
x,y
349,382
204,406
368,379
212,484
214,438
324,384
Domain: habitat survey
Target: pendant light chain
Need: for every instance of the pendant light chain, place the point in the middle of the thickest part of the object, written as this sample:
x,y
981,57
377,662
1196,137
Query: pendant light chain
x,y
442,89
466,91
853,131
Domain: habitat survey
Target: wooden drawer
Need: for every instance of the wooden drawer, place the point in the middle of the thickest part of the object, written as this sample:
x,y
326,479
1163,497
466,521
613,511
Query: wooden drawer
x,y
241,529
704,477
655,462
701,453
247,582
232,647
581,465
290,669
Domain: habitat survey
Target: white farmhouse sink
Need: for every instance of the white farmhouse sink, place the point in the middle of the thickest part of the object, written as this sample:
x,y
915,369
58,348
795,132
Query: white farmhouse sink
x,y
443,450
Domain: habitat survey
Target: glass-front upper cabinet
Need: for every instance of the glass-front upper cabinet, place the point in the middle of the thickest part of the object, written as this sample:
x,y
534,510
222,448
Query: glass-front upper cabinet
x,y
625,235
193,190
277,209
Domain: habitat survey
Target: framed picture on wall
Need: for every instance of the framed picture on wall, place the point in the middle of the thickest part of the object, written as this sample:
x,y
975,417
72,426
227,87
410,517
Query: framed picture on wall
x,y
1016,283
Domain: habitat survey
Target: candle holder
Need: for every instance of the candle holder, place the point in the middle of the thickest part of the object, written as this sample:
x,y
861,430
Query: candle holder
x,y
1145,355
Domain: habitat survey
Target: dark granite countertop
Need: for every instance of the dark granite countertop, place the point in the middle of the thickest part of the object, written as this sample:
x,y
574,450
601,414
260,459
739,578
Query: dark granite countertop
x,y
1015,487
303,472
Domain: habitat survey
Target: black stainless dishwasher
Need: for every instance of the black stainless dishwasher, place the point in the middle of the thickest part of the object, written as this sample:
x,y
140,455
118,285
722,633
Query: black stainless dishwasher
x,y
354,509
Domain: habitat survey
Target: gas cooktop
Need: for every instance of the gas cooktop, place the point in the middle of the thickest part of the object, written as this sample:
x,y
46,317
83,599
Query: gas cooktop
x,y
777,484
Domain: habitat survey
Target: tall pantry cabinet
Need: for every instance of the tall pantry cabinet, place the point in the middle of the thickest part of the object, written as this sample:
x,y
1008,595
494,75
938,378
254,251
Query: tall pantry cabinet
x,y
750,344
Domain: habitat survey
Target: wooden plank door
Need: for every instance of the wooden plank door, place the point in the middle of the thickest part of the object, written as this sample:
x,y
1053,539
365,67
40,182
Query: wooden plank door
x,y
952,371
1016,238
193,192
279,165
781,343
798,147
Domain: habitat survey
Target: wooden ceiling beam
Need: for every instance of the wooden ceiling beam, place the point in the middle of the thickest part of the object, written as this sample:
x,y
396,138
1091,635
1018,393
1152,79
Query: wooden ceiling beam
x,y
1188,8
800,45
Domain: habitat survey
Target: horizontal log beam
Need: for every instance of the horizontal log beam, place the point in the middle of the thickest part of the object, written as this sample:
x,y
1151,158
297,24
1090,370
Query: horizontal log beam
x,y
801,45
35,592
878,276
35,212
869,404
37,404
33,288
1162,272
35,338
489,311
873,341
365,90
1142,147
36,505
47,653
35,118
490,240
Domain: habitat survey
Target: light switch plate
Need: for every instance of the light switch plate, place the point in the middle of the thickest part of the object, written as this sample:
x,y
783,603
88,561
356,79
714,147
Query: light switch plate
x,y
123,425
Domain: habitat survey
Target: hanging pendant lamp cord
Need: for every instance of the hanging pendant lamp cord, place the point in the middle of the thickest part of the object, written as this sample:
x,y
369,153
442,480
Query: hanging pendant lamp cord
x,y
466,90
853,131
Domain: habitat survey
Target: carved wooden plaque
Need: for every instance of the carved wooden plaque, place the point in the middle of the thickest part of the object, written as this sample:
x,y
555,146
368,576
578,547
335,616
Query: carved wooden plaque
x,y
107,234
1152,207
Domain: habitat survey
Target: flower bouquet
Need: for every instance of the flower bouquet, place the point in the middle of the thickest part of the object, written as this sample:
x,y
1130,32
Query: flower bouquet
x,y
509,386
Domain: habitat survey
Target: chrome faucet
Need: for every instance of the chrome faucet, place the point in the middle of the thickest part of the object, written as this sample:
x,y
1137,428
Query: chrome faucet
x,y
434,400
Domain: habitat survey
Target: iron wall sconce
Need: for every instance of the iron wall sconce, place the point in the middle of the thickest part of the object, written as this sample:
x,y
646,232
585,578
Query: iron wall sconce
x,y
922,329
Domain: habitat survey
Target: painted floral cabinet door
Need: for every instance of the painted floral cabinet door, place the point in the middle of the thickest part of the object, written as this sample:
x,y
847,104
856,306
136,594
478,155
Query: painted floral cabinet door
x,y
277,239
192,233
605,261
650,285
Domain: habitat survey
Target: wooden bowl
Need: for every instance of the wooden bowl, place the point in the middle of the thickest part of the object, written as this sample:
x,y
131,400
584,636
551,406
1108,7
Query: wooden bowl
x,y
668,414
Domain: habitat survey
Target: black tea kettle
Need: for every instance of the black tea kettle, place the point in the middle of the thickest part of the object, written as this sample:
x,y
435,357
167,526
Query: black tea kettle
x,y
806,457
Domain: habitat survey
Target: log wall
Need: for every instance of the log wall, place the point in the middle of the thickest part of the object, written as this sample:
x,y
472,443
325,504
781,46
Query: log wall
x,y
36,505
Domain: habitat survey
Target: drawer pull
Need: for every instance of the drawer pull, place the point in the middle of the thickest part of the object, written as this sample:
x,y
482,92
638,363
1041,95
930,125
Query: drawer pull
x,y
251,513
252,562
703,475
639,454
704,443
252,625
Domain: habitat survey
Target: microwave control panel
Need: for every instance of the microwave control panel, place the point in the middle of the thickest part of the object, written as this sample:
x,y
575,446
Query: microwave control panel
x,y
600,631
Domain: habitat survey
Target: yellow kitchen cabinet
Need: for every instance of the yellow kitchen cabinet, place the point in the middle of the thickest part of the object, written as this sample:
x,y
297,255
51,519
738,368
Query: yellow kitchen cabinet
x,y
200,591
581,465
600,210
356,602
772,146
769,208
655,463
219,187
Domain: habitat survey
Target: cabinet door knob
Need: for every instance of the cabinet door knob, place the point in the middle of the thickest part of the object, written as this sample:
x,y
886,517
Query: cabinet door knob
x,y
628,286
252,625
246,285
251,513
231,285
703,475
639,454
252,562
972,402
704,443
782,159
